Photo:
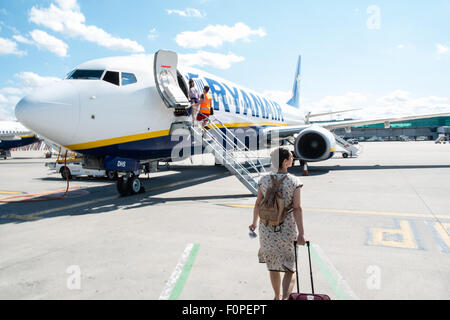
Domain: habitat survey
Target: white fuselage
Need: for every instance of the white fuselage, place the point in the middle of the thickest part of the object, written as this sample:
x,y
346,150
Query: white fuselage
x,y
13,128
13,135
97,117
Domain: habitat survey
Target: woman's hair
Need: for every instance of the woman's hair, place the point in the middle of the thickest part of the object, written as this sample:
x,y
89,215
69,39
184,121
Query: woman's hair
x,y
206,88
278,156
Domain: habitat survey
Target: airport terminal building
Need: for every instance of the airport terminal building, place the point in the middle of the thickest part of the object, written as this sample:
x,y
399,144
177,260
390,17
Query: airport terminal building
x,y
424,129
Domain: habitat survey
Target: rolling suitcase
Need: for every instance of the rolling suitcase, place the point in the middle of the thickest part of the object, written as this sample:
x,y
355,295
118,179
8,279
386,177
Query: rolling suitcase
x,y
306,296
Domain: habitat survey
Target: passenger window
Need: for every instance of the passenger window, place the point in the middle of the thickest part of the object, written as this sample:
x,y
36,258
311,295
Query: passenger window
x,y
112,77
128,78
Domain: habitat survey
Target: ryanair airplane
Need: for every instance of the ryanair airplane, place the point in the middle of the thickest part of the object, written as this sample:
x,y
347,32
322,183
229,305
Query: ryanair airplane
x,y
14,135
120,112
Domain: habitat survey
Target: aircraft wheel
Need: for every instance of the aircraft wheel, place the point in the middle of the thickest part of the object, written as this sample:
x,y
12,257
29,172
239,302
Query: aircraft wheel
x,y
63,173
345,155
122,187
134,185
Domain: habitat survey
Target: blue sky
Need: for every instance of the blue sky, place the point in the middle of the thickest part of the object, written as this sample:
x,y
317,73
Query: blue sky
x,y
387,57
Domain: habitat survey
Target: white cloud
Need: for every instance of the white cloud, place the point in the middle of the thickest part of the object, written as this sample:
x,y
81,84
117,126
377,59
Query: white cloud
x,y
66,18
393,104
215,36
152,34
43,40
348,100
30,80
10,28
11,91
7,104
401,102
68,4
400,46
441,49
26,83
278,96
188,12
9,47
22,39
204,58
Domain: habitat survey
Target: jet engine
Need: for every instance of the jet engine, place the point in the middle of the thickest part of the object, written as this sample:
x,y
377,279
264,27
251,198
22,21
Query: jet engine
x,y
315,144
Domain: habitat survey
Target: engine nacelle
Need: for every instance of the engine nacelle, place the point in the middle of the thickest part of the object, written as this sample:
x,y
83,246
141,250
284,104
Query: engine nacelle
x,y
315,144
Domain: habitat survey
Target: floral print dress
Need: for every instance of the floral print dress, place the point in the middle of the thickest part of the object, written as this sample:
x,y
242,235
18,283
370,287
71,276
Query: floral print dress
x,y
277,248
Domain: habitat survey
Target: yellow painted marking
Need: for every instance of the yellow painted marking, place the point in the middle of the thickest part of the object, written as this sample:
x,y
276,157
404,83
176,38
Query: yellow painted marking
x,y
10,192
385,237
442,230
375,213
19,217
107,142
61,161
240,206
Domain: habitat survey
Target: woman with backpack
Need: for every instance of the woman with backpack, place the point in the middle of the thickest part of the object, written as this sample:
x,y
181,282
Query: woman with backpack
x,y
278,207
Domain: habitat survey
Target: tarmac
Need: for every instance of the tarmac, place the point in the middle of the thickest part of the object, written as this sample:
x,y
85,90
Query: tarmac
x,y
378,225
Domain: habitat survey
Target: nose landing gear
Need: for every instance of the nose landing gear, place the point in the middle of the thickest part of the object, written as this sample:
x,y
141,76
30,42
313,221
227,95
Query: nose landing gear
x,y
129,185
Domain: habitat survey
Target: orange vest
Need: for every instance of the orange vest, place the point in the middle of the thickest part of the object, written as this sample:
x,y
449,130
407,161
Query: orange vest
x,y
205,106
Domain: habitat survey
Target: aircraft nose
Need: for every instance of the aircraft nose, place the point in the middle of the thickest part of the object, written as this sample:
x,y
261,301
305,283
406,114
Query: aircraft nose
x,y
52,112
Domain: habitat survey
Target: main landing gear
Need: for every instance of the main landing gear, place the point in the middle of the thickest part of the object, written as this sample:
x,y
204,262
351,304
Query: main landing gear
x,y
129,184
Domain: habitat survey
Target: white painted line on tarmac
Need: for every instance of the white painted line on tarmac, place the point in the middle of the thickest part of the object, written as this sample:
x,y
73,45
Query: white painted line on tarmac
x,y
176,282
336,281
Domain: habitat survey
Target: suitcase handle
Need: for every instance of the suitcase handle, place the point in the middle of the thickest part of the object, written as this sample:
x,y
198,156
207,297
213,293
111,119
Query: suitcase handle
x,y
310,267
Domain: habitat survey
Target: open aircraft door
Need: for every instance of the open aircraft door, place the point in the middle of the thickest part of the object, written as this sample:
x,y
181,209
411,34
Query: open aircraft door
x,y
165,69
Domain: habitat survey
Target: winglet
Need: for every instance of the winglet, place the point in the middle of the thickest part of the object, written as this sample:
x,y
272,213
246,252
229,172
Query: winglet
x,y
295,100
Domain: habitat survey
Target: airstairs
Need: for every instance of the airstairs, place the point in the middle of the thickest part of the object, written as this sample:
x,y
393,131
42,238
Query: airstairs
x,y
229,150
440,139
350,150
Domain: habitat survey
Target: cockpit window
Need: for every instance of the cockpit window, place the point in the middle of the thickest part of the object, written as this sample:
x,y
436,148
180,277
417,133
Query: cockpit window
x,y
86,74
112,77
128,78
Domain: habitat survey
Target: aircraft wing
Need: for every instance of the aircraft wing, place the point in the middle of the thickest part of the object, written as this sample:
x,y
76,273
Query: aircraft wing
x,y
284,132
10,137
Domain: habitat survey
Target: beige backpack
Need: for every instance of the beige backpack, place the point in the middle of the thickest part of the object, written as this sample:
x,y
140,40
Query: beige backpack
x,y
272,211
